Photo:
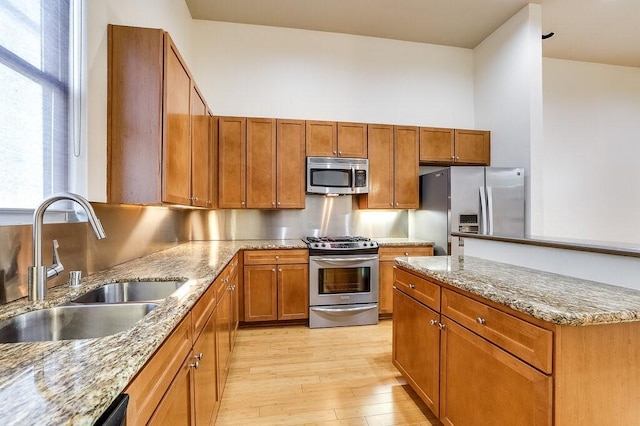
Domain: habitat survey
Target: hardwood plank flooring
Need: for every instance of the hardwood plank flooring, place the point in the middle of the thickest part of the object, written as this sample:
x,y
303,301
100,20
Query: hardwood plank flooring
x,y
294,375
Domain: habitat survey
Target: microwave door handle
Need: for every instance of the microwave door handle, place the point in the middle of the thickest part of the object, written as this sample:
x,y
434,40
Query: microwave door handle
x,y
353,178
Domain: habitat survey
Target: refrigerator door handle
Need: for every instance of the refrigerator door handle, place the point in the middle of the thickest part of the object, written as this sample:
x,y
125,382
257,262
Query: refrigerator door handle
x,y
490,208
483,210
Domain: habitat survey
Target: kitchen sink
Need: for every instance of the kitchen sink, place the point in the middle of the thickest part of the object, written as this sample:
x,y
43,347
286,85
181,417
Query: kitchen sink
x,y
132,291
71,322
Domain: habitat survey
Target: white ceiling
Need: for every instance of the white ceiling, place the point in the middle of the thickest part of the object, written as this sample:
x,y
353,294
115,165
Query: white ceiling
x,y
604,31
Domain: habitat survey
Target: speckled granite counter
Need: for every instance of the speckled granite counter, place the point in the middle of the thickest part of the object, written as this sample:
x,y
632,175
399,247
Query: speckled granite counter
x,y
400,242
550,297
73,382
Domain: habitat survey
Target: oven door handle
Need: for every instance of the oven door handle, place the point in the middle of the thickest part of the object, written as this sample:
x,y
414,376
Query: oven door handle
x,y
344,311
345,260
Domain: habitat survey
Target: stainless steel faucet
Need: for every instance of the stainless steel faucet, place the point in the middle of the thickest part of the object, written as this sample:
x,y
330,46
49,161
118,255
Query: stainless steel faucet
x,y
38,273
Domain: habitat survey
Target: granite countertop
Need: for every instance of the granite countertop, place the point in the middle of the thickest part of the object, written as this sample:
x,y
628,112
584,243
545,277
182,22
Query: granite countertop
x,y
558,299
74,381
399,242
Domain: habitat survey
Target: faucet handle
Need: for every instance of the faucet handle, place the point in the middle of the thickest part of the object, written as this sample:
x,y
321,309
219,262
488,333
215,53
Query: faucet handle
x,y
57,266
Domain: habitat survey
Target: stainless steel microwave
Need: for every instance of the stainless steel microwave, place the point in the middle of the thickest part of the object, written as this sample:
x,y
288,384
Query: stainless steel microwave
x,y
329,175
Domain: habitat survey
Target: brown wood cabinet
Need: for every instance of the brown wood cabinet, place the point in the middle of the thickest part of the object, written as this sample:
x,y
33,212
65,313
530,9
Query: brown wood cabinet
x,y
386,269
202,147
454,146
481,384
393,168
290,163
469,376
151,138
232,162
336,139
276,285
416,347
261,163
183,382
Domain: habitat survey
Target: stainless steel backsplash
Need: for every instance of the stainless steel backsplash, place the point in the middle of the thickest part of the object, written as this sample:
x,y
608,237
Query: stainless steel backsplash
x,y
135,231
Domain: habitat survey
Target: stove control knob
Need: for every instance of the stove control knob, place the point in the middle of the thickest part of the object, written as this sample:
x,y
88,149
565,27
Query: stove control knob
x,y
316,245
324,245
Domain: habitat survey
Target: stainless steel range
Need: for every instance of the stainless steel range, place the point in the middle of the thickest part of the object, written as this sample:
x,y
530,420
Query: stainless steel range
x,y
343,281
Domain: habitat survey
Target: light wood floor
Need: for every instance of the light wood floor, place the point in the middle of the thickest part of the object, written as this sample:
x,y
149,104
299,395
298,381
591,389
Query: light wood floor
x,y
333,376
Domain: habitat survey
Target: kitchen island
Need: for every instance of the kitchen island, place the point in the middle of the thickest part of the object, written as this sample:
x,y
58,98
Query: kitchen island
x,y
511,345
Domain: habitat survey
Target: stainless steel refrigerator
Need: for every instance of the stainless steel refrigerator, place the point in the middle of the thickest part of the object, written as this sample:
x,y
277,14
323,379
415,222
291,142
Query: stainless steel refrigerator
x,y
485,200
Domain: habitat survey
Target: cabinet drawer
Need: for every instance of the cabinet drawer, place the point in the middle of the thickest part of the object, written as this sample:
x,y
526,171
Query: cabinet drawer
x,y
418,288
390,253
270,257
528,342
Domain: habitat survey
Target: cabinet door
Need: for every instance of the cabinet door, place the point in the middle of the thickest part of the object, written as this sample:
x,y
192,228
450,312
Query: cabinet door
x,y
385,303
290,164
261,163
176,407
231,162
472,147
213,160
223,317
293,292
322,139
260,293
176,147
484,385
200,149
352,140
380,196
436,145
235,308
205,377
416,348
406,168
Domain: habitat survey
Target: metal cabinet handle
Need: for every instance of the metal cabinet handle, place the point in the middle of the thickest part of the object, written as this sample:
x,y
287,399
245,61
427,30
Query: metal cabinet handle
x,y
198,357
195,365
277,257
406,253
273,270
441,326
481,321
279,269
412,286
433,322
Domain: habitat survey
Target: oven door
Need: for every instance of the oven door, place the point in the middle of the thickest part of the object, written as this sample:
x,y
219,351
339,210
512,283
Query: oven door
x,y
336,279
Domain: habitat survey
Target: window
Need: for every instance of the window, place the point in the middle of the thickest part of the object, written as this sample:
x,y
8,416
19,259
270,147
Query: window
x,y
36,100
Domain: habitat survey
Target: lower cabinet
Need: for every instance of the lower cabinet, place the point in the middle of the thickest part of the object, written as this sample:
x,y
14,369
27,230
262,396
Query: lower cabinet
x,y
416,347
183,382
469,375
276,285
387,255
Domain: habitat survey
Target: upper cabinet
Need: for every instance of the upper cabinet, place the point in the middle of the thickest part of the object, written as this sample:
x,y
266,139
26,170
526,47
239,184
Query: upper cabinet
x,y
261,163
393,168
454,146
156,123
232,162
332,139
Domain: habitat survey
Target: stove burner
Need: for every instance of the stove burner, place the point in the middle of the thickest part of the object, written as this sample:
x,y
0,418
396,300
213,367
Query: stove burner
x,y
340,239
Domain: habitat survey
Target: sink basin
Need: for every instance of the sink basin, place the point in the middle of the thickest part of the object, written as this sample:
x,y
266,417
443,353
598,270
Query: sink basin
x,y
73,322
133,291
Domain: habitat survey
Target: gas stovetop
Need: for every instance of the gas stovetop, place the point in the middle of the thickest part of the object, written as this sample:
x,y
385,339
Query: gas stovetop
x,y
340,243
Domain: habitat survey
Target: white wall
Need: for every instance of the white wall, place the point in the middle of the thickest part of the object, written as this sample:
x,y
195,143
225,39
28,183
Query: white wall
x,y
508,87
172,16
590,156
251,70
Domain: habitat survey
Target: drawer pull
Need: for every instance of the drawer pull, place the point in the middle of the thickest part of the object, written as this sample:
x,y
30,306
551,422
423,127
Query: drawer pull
x,y
406,253
433,322
481,321
412,286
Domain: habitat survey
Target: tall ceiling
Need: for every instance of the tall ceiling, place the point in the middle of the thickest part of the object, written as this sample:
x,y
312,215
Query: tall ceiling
x,y
604,31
